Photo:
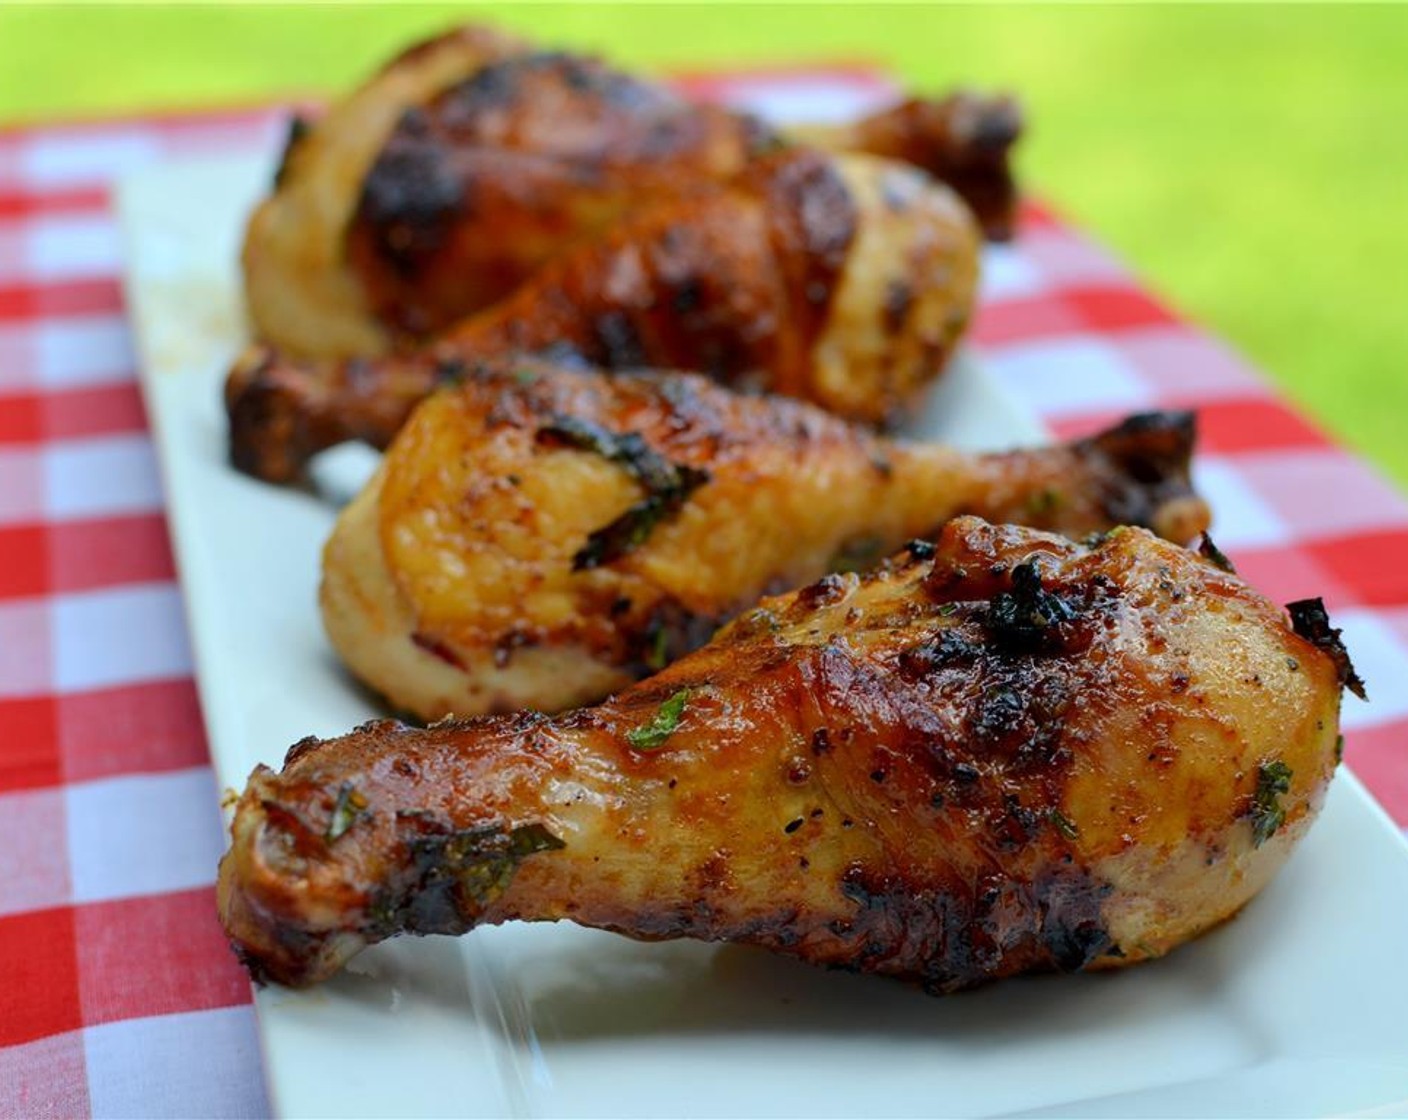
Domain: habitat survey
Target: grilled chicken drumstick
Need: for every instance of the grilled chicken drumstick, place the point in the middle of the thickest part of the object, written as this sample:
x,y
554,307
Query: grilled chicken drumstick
x,y
539,538
845,282
1004,753
455,172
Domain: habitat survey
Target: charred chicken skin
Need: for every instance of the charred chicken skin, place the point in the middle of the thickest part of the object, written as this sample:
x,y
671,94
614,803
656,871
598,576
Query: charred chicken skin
x,y
540,538
845,282
454,173
999,753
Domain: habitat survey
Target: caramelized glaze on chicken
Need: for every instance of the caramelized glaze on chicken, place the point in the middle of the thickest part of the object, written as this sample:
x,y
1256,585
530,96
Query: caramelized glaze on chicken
x,y
455,172
540,538
843,282
1002,753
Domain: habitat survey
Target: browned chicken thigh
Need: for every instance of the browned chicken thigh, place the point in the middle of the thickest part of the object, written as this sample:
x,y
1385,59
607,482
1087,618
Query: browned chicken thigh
x,y
1005,752
467,162
845,282
539,538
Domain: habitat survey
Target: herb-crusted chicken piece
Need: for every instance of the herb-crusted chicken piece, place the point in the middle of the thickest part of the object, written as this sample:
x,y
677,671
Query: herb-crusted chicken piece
x,y
1001,752
464,164
844,282
539,538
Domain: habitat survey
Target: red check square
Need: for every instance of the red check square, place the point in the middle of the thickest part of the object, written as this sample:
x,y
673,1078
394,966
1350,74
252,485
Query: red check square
x,y
190,968
20,416
23,204
24,561
94,411
1262,425
1374,564
1284,575
1375,754
30,756
108,552
25,303
135,729
1018,320
1107,309
38,976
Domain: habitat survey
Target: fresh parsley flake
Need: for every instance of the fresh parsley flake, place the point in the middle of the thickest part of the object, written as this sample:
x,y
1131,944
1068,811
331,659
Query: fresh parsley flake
x,y
652,735
349,806
1272,780
1063,824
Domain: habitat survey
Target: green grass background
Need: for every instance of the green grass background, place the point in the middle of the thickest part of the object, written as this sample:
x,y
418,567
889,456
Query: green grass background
x,y
1250,162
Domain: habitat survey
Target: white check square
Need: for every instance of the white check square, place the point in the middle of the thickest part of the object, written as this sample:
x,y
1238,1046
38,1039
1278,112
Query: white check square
x,y
1008,273
1240,518
32,823
103,477
87,157
71,247
118,636
1382,661
142,834
81,350
1068,376
200,1063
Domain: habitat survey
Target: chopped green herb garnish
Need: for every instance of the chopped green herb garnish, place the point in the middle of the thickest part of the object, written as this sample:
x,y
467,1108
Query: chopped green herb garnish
x,y
1063,824
667,485
528,839
487,872
633,528
481,860
1309,620
1029,612
649,736
349,806
1272,780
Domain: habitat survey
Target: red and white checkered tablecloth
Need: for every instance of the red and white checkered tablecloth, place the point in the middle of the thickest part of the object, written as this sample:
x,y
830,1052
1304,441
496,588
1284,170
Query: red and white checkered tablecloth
x,y
118,996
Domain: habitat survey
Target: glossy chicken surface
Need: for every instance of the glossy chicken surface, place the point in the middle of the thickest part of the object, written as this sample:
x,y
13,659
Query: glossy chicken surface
x,y
466,163
964,140
845,282
1000,753
539,537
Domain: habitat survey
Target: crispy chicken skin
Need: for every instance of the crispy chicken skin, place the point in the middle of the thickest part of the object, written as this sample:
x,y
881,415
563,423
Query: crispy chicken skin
x,y
963,140
540,538
448,178
843,281
1004,753
299,290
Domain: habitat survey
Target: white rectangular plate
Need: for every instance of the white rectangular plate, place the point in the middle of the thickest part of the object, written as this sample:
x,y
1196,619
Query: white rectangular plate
x,y
1298,1007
